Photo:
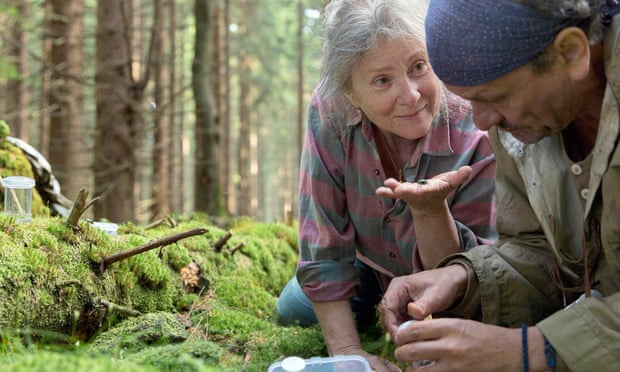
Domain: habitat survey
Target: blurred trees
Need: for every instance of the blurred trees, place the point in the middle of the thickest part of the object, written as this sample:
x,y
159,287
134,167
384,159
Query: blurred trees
x,y
63,32
163,106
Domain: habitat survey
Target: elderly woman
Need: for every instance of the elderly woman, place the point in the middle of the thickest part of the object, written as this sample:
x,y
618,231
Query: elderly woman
x,y
381,126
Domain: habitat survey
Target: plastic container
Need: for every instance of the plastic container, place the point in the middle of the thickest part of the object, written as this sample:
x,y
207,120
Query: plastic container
x,y
108,227
18,197
338,363
293,364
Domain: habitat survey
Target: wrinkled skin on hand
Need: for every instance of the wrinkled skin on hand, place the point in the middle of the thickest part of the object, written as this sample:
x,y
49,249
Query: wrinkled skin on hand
x,y
460,345
421,294
429,198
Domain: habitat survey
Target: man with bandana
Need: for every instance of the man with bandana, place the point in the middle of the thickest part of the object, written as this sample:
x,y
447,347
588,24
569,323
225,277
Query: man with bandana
x,y
543,77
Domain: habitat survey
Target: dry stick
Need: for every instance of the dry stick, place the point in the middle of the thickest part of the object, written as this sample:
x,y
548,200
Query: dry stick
x,y
220,243
109,260
79,207
169,220
114,307
236,248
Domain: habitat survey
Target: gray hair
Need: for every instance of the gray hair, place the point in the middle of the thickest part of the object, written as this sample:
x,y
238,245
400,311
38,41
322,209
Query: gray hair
x,y
353,27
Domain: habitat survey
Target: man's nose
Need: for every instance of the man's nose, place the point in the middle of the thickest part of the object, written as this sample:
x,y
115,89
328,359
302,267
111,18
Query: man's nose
x,y
486,118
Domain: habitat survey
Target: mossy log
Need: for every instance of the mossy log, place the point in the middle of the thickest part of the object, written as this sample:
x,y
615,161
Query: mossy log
x,y
50,277
54,297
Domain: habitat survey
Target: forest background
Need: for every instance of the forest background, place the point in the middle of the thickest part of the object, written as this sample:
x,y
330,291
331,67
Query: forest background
x,y
164,106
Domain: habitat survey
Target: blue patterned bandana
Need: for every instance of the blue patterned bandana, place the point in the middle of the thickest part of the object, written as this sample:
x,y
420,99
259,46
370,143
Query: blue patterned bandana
x,y
471,42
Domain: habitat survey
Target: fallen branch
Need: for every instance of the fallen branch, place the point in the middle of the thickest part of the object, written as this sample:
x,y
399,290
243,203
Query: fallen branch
x,y
110,306
236,248
168,220
109,260
220,243
79,207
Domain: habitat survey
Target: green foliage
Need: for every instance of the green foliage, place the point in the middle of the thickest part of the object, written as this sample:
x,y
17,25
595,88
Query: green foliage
x,y
4,129
51,287
45,361
135,334
8,69
188,356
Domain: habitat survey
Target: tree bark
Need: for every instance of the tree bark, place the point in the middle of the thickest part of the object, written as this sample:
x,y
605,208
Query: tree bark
x,y
207,185
68,150
175,170
117,121
243,161
17,116
160,185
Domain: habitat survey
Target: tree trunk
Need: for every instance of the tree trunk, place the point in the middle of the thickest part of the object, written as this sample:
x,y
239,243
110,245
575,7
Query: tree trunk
x,y
175,170
17,116
117,120
225,114
207,184
68,150
244,189
160,186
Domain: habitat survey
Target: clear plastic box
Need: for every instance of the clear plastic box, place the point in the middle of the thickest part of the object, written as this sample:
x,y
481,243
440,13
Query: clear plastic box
x,y
338,363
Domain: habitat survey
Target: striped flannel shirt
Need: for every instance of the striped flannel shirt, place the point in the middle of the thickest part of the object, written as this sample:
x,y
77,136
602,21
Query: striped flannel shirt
x,y
341,218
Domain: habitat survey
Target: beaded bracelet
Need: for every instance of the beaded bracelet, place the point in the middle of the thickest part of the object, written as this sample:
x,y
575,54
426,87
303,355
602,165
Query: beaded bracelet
x,y
550,354
526,359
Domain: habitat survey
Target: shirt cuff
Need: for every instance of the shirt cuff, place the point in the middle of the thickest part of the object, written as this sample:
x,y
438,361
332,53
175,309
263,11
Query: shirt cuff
x,y
469,305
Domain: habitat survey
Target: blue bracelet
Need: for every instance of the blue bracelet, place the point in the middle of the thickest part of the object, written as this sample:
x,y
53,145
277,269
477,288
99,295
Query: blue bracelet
x,y
526,359
550,354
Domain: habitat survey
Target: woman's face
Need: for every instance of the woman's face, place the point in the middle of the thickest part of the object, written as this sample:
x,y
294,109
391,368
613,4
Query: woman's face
x,y
393,84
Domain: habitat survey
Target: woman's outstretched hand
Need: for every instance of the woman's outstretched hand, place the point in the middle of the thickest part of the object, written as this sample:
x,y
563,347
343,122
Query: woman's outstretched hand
x,y
425,197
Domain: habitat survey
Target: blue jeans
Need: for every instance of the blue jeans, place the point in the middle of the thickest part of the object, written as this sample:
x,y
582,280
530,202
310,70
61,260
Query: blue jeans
x,y
295,308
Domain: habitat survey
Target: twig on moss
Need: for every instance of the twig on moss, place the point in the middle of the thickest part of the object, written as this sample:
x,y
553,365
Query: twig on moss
x,y
169,220
220,243
109,260
236,248
80,205
110,306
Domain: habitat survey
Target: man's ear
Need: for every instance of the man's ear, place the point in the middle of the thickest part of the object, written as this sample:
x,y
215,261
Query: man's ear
x,y
573,47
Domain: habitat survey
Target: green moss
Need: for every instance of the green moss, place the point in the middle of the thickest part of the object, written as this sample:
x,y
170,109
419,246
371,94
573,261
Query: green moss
x,y
177,257
4,129
50,282
150,269
187,356
45,361
135,334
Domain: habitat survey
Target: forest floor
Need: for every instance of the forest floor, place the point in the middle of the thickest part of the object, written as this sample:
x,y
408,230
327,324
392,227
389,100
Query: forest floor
x,y
205,302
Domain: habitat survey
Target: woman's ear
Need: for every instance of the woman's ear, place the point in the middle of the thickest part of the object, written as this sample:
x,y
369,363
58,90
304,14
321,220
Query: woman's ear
x,y
573,47
352,99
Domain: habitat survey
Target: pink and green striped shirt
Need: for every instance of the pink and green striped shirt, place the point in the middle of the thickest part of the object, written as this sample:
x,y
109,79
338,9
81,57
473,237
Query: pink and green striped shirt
x,y
341,218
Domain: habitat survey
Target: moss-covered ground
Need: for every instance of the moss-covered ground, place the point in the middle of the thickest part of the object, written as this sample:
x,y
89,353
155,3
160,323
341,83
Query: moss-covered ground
x,y
55,303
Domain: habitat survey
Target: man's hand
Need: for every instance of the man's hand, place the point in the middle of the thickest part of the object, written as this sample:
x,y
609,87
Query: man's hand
x,y
419,295
467,345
